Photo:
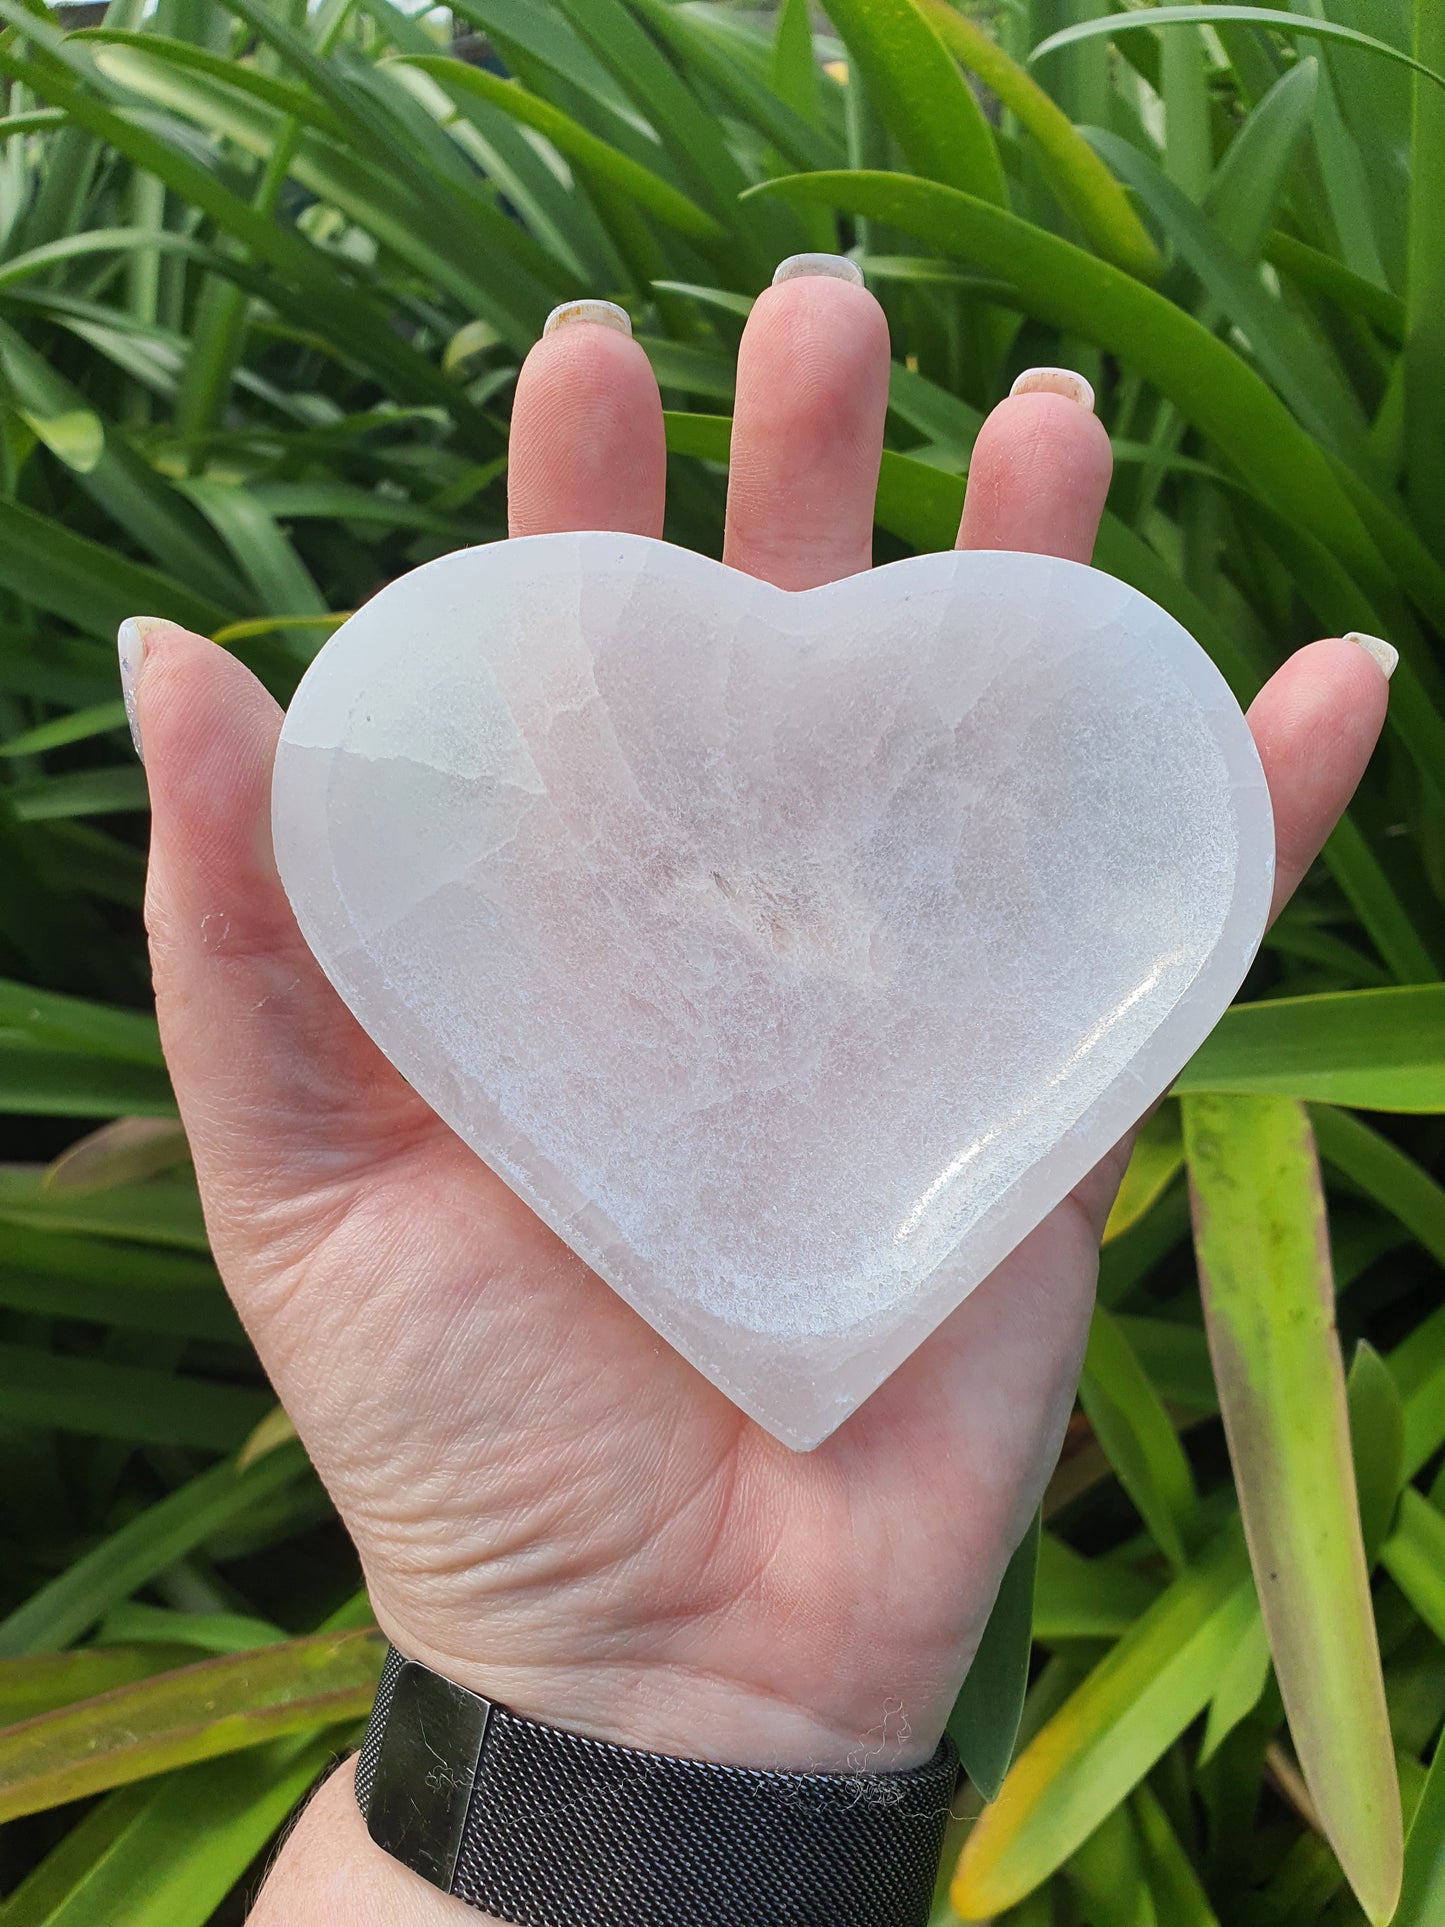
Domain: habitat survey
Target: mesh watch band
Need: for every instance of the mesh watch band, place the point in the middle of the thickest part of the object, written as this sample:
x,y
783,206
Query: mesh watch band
x,y
547,1829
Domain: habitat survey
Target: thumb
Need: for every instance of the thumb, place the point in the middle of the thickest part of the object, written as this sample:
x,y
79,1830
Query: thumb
x,y
284,1097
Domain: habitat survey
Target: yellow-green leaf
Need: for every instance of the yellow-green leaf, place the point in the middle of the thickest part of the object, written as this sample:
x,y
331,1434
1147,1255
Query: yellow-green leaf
x,y
1264,1267
125,1151
77,436
1096,1749
39,1682
1157,1157
194,1713
1382,1050
1075,172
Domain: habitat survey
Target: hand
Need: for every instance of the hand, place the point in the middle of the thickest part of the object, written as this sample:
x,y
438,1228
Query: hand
x,y
549,1504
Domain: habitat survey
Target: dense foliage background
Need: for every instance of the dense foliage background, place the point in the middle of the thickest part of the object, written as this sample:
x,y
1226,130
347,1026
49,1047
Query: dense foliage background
x,y
267,270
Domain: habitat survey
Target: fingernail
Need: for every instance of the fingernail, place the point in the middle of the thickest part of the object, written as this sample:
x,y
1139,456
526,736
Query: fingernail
x,y
1384,653
1055,381
131,644
837,265
607,313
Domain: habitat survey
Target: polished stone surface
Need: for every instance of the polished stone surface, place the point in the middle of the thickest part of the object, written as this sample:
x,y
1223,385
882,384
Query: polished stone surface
x,y
791,955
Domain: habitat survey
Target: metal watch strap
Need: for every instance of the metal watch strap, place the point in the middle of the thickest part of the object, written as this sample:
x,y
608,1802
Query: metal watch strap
x,y
546,1829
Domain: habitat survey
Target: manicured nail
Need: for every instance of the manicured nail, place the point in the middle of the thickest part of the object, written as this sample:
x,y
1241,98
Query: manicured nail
x,y
131,643
606,312
1055,381
836,265
1384,653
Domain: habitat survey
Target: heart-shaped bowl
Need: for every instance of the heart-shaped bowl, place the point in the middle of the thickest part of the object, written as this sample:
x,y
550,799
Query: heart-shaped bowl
x,y
791,955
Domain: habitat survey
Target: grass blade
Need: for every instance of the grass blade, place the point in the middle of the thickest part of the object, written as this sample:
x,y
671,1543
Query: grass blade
x,y
1096,1749
1414,1557
1422,1895
194,1713
1157,1158
1377,1444
166,1853
1264,1271
1209,384
1197,16
985,1718
1138,1440
1394,1180
62,1610
1076,174
927,106
1383,1050
593,156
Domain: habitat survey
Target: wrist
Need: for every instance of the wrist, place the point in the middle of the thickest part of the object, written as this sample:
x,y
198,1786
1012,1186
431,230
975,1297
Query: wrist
x,y
656,1707
330,1870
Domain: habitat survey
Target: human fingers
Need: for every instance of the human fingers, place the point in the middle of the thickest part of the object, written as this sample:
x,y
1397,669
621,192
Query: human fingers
x,y
1040,470
1315,723
586,449
807,436
281,1092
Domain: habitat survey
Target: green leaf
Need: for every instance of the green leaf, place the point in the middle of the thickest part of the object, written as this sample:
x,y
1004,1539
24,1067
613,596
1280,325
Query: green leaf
x,y
1075,173
1206,380
1377,1444
1078,1598
134,1621
161,1212
99,1399
1422,1894
928,107
1138,1440
64,1608
1383,1050
43,1681
128,1150
1424,441
1298,369
43,1018
1096,1749
1417,1365
1244,193
165,1853
592,156
352,318
87,582
118,790
712,56
1242,1680
1380,1168
195,1713
1107,1873
1263,1252
1197,16
795,77
77,727
985,1718
1179,1898
1321,273
1154,1163
1175,1355
1414,1557
77,437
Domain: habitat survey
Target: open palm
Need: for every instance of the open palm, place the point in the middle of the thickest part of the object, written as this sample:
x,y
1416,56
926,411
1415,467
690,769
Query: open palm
x,y
550,1505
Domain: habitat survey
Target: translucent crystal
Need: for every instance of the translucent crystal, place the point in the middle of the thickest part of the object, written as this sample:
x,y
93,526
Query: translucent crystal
x,y
791,955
